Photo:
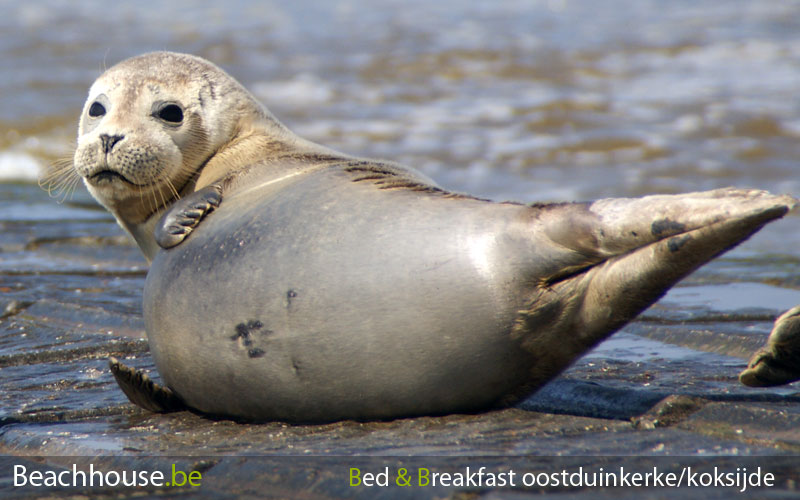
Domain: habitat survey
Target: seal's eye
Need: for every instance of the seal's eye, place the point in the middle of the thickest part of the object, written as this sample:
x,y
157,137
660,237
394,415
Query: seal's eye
x,y
96,109
171,113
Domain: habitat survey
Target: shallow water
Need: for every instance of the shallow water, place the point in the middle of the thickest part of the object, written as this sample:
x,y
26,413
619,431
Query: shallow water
x,y
534,101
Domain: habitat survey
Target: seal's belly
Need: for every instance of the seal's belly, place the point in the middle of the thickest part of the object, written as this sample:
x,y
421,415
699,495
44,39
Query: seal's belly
x,y
310,305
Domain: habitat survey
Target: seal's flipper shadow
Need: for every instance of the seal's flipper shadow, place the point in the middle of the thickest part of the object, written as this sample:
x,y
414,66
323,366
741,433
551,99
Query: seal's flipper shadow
x,y
591,399
778,362
142,391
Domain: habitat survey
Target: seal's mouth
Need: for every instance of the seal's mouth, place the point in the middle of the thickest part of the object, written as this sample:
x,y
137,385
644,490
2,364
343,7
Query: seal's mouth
x,y
107,176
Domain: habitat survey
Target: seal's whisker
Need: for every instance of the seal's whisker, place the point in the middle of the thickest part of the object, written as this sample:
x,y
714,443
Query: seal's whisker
x,y
69,188
162,192
172,189
186,174
141,197
161,198
153,200
148,194
60,179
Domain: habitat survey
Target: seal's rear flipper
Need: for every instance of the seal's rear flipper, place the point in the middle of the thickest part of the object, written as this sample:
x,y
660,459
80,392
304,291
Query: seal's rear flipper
x,y
778,362
142,391
622,255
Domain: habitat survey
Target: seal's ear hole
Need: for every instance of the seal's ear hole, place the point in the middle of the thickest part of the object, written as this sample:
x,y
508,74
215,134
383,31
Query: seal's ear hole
x,y
96,109
171,113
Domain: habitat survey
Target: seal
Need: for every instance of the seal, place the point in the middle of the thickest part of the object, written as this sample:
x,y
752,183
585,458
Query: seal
x,y
292,282
778,362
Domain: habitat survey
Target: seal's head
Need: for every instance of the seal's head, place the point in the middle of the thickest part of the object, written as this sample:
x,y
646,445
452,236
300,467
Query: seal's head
x,y
149,126
158,127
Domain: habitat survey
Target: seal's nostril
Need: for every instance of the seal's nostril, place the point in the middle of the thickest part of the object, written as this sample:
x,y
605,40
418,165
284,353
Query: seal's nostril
x,y
109,141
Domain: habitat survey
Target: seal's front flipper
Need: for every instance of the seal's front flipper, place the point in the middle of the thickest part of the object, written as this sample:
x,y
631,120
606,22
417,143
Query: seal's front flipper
x,y
778,362
142,391
185,215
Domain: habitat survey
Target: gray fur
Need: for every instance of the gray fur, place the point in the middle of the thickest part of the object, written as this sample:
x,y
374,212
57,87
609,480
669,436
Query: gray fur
x,y
321,298
292,282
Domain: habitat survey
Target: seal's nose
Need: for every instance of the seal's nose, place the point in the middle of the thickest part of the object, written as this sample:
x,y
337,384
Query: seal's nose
x,y
109,141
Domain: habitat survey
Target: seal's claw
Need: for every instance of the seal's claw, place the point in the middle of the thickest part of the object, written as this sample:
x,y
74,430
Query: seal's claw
x,y
778,362
185,215
142,391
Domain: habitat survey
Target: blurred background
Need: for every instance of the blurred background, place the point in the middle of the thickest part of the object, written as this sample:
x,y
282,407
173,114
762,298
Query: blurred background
x,y
530,100
524,99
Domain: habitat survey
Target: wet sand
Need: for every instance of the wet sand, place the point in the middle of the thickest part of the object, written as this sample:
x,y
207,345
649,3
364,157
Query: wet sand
x,y
71,298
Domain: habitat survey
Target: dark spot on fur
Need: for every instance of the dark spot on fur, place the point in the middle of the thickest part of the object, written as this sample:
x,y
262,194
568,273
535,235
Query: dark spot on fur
x,y
209,85
290,295
255,352
675,244
242,331
662,226
296,365
634,233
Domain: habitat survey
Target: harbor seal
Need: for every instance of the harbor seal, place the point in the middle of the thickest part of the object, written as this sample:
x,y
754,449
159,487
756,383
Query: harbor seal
x,y
292,282
778,362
